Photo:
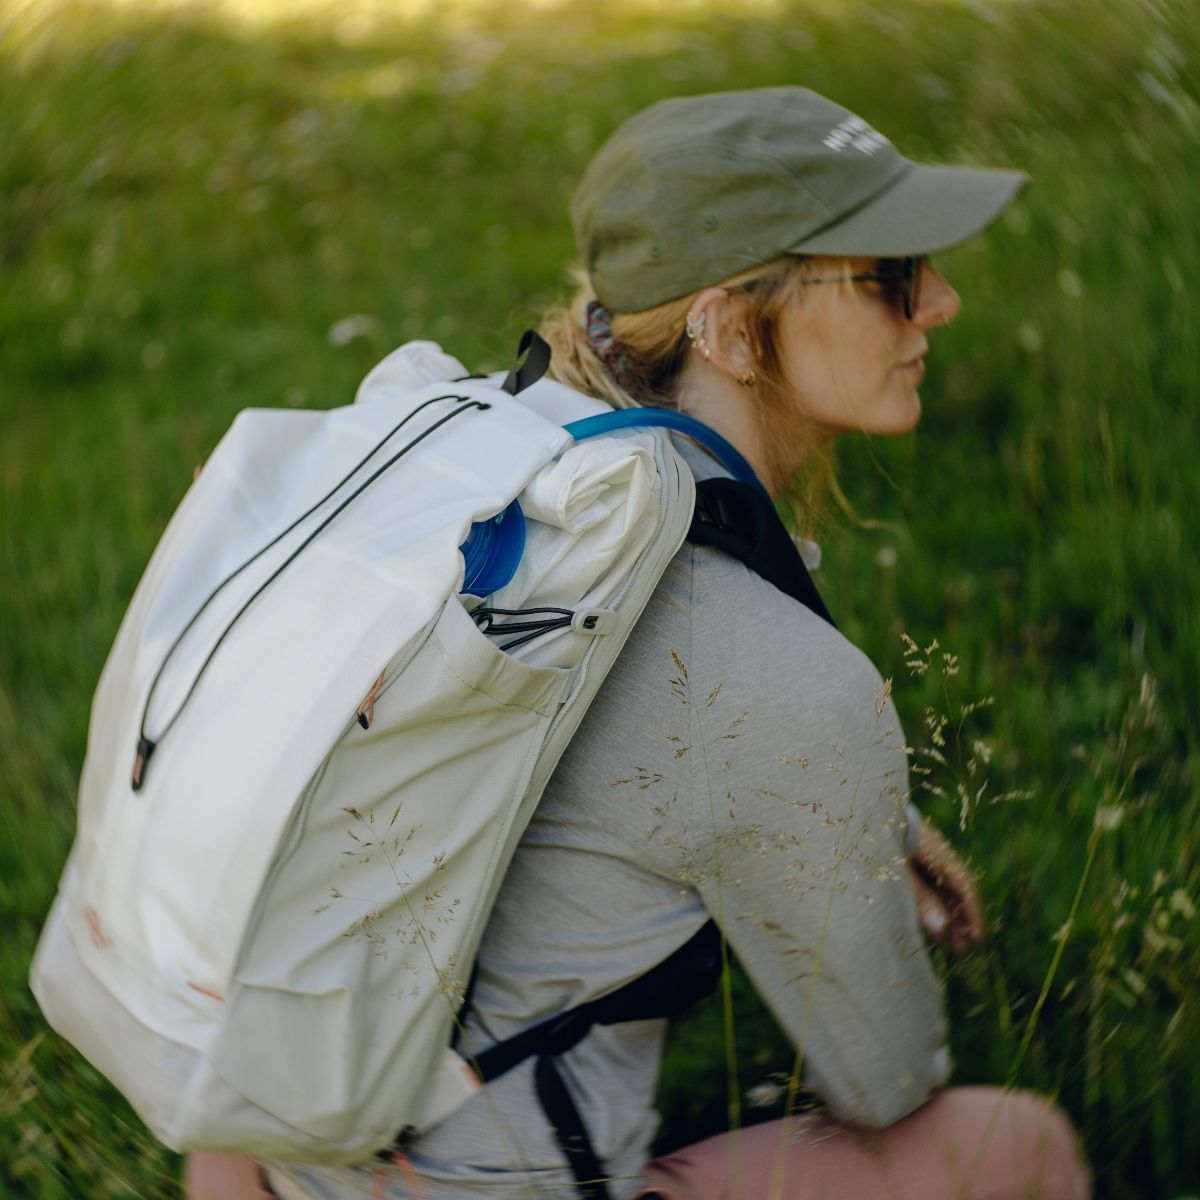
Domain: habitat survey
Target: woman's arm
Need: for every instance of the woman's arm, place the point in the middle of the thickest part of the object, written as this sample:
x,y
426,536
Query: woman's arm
x,y
795,824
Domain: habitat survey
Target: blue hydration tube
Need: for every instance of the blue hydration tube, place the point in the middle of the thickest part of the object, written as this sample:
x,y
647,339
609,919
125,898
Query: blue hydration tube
x,y
493,548
669,418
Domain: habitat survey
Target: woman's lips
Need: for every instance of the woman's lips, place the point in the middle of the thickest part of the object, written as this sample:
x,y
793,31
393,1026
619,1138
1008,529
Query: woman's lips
x,y
915,366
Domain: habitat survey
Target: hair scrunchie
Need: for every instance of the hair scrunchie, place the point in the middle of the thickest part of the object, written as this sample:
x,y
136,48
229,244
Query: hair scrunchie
x,y
598,324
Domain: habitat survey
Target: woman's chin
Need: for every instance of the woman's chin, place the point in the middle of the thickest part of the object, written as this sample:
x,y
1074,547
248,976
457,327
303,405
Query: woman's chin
x,y
914,418
904,418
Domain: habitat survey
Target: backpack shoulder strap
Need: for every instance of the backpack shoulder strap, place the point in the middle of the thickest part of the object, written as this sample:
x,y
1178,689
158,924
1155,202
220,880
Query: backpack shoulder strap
x,y
742,522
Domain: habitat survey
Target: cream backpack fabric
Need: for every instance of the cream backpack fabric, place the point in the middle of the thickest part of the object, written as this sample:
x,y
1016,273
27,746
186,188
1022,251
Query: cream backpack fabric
x,y
311,756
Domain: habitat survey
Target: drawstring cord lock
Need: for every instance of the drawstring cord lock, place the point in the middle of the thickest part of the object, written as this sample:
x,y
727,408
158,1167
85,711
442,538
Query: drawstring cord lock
x,y
145,748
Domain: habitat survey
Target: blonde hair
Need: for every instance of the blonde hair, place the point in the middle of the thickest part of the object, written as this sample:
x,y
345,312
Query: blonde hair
x,y
653,347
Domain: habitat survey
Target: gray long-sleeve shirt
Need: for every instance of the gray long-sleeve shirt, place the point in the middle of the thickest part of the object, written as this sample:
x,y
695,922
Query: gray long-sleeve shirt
x,y
742,762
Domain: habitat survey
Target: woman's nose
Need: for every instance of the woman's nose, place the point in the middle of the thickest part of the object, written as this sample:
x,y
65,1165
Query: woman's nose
x,y
939,302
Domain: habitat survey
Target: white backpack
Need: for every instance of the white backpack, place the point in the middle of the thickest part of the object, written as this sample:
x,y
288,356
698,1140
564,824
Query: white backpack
x,y
311,755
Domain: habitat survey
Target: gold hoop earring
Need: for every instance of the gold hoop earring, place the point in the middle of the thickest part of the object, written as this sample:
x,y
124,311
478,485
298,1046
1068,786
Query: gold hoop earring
x,y
749,378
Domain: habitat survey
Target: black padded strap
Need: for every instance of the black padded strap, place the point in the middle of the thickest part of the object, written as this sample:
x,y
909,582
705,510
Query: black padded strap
x,y
741,522
666,990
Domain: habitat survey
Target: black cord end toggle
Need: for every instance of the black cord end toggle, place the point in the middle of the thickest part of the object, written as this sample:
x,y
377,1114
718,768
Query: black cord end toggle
x,y
145,748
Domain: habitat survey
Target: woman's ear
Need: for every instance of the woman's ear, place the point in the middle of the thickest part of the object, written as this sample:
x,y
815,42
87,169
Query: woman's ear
x,y
717,330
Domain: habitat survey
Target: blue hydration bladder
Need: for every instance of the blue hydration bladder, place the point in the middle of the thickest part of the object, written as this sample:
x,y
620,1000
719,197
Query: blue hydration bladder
x,y
493,551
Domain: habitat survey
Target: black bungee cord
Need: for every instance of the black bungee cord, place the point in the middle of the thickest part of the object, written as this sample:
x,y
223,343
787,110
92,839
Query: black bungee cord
x,y
146,746
560,618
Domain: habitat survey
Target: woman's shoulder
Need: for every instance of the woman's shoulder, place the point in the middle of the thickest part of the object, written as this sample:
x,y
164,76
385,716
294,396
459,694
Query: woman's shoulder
x,y
731,606
723,656
742,624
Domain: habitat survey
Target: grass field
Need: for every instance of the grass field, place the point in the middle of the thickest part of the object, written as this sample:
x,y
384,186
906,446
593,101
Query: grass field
x,y
193,200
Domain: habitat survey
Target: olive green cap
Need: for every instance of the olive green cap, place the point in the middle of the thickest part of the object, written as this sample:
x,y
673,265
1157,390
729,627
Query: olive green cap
x,y
694,190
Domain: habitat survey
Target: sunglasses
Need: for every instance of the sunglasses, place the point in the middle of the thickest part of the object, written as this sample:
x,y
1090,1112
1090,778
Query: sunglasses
x,y
900,277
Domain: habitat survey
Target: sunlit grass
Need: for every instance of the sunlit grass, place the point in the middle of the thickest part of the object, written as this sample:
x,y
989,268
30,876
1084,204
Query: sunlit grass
x,y
38,25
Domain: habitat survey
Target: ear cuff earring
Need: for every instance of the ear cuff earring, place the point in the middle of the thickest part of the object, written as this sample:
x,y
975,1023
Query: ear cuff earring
x,y
694,328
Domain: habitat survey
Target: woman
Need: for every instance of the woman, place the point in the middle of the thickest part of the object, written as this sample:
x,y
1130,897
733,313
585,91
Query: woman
x,y
757,260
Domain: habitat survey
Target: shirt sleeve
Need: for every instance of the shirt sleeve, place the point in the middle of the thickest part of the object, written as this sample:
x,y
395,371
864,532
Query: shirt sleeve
x,y
789,820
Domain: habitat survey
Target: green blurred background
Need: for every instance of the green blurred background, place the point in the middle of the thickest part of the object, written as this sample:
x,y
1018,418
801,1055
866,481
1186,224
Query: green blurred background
x,y
204,208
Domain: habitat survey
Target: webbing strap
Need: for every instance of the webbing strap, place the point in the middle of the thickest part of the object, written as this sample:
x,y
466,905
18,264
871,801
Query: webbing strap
x,y
569,1130
537,361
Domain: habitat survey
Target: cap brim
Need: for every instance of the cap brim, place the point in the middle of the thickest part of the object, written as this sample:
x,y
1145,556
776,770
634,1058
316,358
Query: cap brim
x,y
925,210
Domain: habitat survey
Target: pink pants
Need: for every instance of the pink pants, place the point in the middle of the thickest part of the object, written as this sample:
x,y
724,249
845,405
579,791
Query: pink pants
x,y
972,1143
966,1144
